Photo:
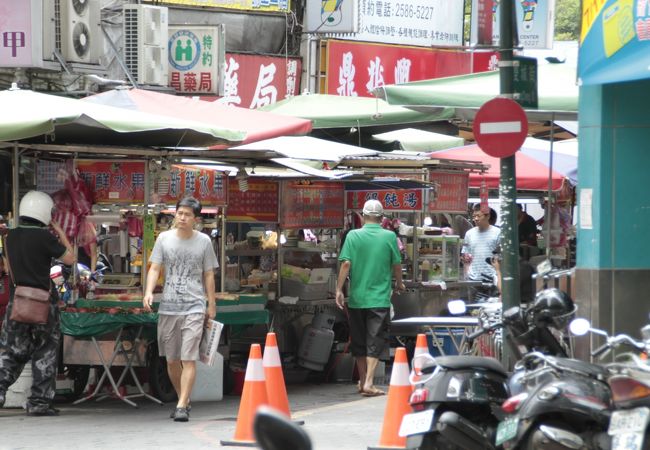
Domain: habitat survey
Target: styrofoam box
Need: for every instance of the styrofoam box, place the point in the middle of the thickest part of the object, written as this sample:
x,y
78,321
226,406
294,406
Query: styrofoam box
x,y
208,385
311,291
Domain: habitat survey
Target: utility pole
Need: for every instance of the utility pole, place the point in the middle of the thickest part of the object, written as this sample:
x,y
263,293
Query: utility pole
x,y
507,185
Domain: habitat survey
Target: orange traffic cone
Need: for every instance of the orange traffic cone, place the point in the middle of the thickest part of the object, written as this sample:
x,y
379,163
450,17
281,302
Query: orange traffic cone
x,y
276,391
420,348
253,396
397,404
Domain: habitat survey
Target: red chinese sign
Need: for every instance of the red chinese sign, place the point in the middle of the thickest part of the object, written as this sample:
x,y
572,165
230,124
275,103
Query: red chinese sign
x,y
210,187
251,81
356,68
392,200
259,203
450,193
308,204
114,181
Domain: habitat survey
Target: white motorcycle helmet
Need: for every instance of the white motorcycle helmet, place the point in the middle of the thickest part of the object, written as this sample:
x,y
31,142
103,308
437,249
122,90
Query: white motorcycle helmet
x,y
37,205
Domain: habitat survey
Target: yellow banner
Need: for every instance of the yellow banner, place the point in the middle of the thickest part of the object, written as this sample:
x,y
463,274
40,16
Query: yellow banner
x,y
590,11
249,5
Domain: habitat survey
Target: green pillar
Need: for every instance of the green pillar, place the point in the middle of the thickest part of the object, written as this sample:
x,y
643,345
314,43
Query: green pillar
x,y
507,184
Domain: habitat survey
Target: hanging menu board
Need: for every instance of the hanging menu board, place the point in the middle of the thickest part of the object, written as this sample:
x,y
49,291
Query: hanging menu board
x,y
450,194
312,204
114,181
208,186
259,203
392,200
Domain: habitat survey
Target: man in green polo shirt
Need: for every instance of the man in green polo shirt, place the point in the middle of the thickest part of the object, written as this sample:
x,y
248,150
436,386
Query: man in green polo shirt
x,y
371,257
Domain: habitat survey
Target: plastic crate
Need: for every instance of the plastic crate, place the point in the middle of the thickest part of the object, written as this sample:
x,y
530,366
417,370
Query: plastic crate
x,y
445,340
310,291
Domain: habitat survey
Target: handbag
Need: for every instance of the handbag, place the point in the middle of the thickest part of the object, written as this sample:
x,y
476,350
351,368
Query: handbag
x,y
30,305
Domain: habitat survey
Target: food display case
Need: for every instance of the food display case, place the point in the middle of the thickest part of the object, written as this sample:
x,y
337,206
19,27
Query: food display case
x,y
439,257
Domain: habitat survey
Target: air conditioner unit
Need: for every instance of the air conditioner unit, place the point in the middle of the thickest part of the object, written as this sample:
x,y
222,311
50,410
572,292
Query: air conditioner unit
x,y
145,43
82,39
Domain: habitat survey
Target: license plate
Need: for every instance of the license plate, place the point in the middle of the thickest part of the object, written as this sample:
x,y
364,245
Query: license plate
x,y
627,428
628,421
416,423
507,430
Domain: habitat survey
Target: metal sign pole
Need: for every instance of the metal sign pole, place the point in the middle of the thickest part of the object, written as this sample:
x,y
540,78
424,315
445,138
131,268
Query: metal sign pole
x,y
507,185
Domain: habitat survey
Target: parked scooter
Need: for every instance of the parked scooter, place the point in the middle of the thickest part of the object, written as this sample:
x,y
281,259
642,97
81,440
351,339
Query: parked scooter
x,y
274,431
563,403
629,380
457,399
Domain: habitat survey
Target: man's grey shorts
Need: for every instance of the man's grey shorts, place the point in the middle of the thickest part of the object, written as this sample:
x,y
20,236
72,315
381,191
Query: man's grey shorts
x,y
179,336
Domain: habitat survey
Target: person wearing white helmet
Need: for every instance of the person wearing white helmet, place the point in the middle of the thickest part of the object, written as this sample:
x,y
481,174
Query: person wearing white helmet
x,y
371,257
29,249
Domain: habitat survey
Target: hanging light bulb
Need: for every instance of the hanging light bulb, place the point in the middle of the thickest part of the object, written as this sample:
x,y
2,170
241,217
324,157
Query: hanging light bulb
x,y
163,179
242,180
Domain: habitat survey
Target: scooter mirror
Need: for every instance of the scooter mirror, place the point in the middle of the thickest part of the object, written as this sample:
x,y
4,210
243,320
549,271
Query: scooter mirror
x,y
579,326
456,307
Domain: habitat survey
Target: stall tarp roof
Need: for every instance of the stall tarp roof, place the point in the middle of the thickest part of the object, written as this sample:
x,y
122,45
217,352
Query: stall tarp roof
x,y
334,111
26,114
532,175
307,147
557,93
257,125
414,140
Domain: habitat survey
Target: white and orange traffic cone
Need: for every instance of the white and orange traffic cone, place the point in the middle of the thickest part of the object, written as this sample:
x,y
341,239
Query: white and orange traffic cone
x,y
276,390
397,404
253,396
420,348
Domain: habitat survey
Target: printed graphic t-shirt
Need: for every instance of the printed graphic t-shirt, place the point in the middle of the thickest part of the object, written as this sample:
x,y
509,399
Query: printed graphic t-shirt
x,y
184,261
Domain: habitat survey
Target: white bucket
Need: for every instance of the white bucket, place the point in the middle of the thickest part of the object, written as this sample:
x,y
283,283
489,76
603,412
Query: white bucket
x,y
18,392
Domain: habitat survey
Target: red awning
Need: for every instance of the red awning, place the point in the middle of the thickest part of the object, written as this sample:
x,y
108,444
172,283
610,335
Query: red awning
x,y
532,175
257,125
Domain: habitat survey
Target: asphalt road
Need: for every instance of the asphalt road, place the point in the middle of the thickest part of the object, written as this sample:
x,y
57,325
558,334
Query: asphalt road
x,y
335,416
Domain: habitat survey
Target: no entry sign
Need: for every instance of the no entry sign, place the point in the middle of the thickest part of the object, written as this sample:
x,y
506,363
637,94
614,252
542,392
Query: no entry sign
x,y
500,127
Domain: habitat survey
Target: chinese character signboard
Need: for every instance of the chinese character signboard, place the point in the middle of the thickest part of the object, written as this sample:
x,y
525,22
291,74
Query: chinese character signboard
x,y
414,22
392,200
114,181
525,81
251,81
614,41
257,204
309,204
450,194
357,69
248,5
19,42
210,187
196,55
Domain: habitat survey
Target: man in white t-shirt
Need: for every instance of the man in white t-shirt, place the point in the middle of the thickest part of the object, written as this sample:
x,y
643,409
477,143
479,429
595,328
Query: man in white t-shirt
x,y
189,261
478,246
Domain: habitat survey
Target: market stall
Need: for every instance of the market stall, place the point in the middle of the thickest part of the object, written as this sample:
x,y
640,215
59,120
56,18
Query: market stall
x,y
131,188
417,190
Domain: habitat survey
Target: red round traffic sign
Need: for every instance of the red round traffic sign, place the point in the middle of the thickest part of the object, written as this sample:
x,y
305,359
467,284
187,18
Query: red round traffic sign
x,y
500,127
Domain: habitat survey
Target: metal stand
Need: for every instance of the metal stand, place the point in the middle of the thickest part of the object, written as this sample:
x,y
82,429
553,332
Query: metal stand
x,y
129,354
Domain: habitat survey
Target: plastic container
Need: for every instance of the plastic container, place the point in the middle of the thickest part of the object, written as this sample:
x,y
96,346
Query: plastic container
x,y
445,340
208,385
304,291
19,392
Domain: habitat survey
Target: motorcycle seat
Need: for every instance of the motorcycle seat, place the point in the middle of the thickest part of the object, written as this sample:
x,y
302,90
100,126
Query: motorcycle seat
x,y
471,362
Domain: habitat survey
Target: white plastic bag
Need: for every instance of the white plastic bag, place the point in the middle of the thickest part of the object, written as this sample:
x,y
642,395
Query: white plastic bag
x,y
210,342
